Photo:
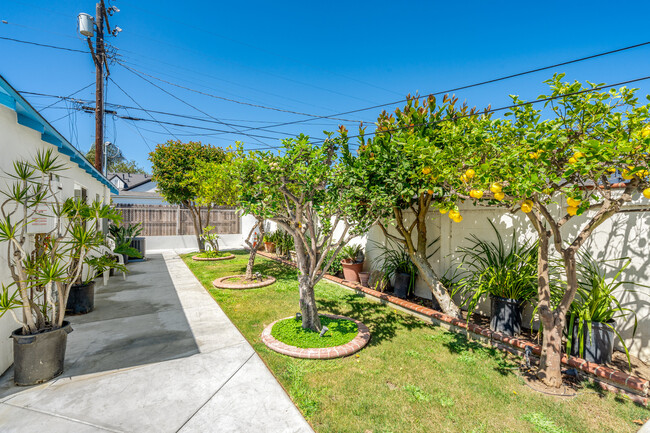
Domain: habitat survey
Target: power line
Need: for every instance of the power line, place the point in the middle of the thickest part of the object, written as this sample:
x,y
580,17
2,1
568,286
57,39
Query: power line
x,y
136,103
469,86
233,100
507,107
254,137
67,97
43,45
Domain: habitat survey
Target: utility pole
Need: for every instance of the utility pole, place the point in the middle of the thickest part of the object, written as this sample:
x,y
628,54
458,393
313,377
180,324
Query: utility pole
x,y
100,60
98,53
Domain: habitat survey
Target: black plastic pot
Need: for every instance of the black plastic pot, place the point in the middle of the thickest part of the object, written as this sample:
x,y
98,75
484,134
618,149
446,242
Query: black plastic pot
x,y
39,357
126,258
506,315
81,299
598,344
401,286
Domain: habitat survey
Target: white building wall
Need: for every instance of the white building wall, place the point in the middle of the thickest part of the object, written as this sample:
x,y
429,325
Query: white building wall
x,y
624,235
19,142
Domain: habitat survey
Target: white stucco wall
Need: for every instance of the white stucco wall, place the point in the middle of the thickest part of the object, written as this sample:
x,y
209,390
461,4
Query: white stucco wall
x,y
624,235
19,142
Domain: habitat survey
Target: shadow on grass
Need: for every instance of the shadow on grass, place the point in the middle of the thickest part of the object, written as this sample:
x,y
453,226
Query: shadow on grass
x,y
381,321
459,344
280,271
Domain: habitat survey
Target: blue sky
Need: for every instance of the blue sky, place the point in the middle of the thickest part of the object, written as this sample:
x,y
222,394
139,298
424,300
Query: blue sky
x,y
319,58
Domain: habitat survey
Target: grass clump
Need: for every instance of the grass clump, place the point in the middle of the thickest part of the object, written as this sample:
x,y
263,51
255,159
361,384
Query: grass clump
x,y
291,332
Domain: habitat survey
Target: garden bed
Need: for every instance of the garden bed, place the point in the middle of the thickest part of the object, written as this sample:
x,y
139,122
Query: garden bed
x,y
608,378
239,282
412,376
210,257
345,337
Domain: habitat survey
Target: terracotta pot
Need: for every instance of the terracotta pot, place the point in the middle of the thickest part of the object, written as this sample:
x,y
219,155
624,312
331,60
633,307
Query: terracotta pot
x,y
269,246
351,271
363,278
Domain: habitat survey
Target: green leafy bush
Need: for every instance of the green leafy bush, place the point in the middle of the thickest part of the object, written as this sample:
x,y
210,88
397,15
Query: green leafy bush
x,y
290,331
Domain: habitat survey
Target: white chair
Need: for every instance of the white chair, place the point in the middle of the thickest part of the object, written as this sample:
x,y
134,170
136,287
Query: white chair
x,y
105,250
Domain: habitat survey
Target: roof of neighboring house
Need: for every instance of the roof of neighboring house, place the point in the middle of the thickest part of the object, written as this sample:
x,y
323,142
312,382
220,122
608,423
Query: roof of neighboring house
x,y
27,115
131,180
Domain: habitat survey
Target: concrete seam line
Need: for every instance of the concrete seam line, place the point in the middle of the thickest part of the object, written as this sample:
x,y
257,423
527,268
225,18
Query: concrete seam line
x,y
216,392
65,417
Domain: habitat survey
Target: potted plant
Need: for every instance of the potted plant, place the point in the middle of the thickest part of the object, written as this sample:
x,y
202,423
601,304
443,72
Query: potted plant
x,y
593,313
122,235
507,274
269,242
396,266
44,271
350,255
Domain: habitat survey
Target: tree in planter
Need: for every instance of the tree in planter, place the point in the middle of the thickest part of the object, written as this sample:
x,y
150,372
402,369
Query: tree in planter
x,y
391,176
306,192
44,269
575,156
175,167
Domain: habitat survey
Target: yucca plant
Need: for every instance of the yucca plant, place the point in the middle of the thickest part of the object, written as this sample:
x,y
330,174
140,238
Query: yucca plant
x,y
44,271
595,300
497,269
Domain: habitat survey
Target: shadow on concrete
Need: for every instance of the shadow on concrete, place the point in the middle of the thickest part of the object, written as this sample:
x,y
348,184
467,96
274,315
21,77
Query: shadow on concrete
x,y
135,322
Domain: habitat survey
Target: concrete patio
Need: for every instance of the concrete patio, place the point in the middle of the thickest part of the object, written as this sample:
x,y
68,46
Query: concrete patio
x,y
156,355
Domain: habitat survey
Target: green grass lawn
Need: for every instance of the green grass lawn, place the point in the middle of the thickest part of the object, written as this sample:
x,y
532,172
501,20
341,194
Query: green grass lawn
x,y
412,376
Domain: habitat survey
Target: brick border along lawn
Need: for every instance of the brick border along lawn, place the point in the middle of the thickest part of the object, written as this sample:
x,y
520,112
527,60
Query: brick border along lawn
x,y
357,343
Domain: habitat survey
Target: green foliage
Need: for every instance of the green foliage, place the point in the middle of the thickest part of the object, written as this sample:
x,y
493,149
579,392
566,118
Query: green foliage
x,y
351,252
217,182
212,254
596,302
497,269
393,261
123,235
336,265
542,423
416,394
211,238
175,165
116,162
291,332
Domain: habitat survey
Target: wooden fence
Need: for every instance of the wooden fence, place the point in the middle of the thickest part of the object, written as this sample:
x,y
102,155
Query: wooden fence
x,y
160,220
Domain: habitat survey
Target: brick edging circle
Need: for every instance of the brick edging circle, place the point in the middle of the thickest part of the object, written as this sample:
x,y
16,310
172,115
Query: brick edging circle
x,y
359,342
212,259
634,383
220,283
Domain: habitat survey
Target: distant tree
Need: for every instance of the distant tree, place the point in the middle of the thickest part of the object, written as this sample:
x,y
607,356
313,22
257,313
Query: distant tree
x,y
116,162
174,166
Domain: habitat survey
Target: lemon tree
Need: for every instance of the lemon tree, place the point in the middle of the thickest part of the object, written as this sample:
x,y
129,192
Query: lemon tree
x,y
304,189
398,172
569,166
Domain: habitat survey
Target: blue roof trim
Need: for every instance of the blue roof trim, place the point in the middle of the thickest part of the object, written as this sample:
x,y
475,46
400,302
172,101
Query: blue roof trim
x,y
29,117
30,123
8,101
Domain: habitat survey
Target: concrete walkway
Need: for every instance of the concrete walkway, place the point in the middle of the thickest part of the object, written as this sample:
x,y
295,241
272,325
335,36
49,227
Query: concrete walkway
x,y
156,355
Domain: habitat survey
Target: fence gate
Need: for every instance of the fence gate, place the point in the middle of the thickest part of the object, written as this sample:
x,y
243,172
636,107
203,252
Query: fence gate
x,y
159,220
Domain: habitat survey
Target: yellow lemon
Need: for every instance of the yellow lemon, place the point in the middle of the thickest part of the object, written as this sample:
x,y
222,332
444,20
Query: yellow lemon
x,y
646,193
573,202
533,155
476,193
626,175
470,173
495,187
611,170
572,160
426,170
443,211
453,214
458,219
578,155
571,210
463,178
527,206
645,132
499,195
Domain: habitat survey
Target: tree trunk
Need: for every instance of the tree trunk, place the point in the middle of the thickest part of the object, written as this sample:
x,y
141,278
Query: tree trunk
x,y
438,291
310,319
251,262
550,366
